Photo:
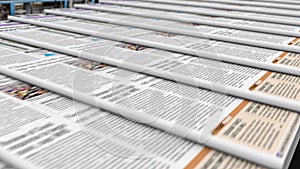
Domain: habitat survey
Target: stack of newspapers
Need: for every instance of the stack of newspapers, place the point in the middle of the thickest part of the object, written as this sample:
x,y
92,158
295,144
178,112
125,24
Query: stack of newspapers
x,y
151,84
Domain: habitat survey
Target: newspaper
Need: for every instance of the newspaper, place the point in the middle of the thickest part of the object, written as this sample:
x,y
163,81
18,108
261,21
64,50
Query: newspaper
x,y
215,33
257,3
50,130
204,48
275,18
52,136
278,1
255,9
182,110
218,76
275,28
116,18
201,31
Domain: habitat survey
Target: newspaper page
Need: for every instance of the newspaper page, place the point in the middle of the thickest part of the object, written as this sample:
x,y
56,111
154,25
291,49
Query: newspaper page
x,y
266,10
209,11
87,131
172,106
89,14
201,47
263,4
257,3
278,1
289,30
190,29
215,33
52,137
217,76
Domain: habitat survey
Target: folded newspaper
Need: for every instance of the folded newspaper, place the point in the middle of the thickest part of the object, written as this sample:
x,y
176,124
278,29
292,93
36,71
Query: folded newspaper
x,y
151,84
265,26
47,130
221,122
217,76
